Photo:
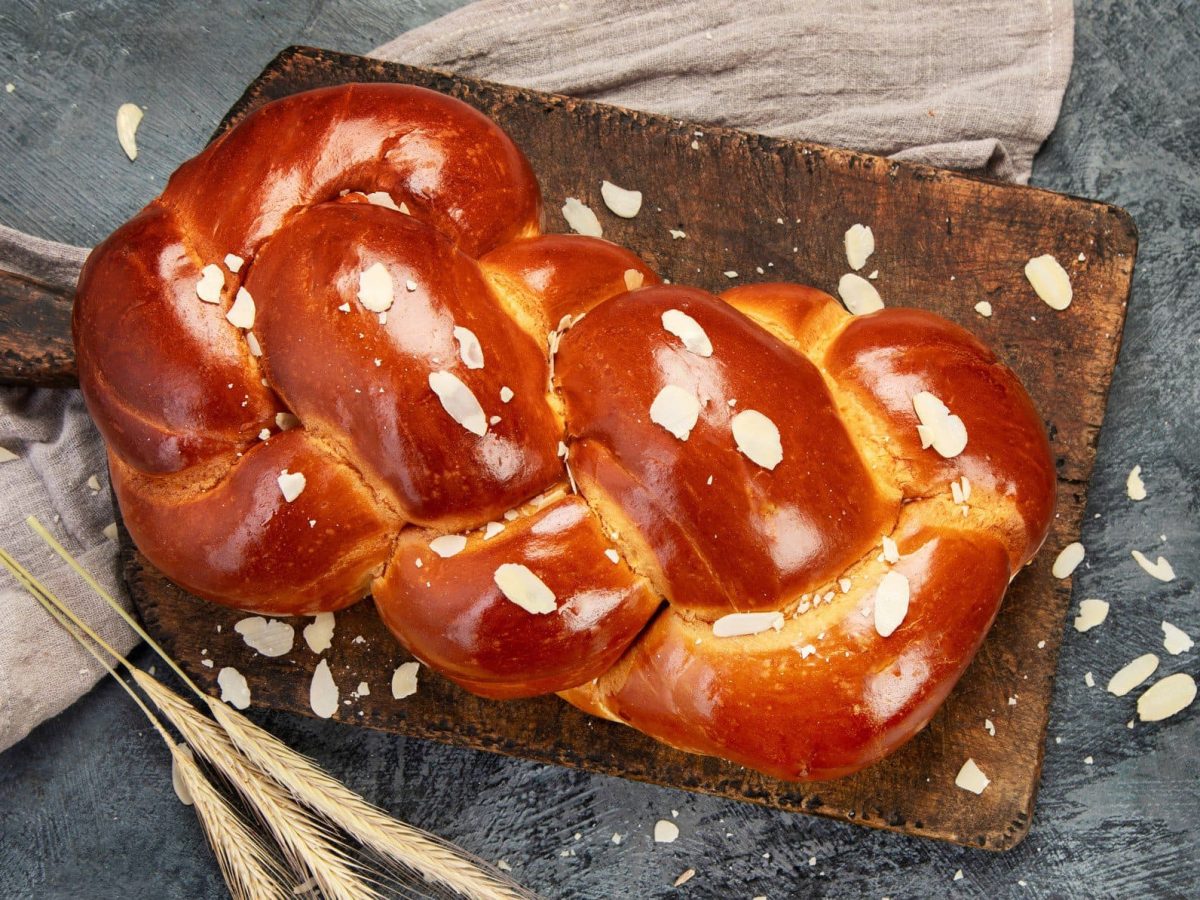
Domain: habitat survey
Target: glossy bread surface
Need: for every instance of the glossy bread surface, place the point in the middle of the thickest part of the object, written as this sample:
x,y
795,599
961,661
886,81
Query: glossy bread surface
x,y
478,449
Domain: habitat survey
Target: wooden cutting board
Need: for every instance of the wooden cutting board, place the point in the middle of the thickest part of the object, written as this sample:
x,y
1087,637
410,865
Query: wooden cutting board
x,y
768,209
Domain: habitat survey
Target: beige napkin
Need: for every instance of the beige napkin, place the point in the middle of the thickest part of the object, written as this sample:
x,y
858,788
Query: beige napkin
x,y
971,85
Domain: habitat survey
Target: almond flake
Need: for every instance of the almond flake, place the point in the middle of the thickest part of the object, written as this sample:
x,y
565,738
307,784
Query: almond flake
x,y
859,295
233,262
984,309
291,484
581,219
665,831
677,235
270,637
891,603
129,117
363,689
525,589
612,555
844,584
323,691
375,288
410,285
989,727
345,307
177,783
383,198
1176,640
891,553
492,529
1167,697
1091,613
93,482
448,545
212,280
970,778
684,877
1132,675
252,343
1134,486
241,313
731,274
1088,679
860,244
939,428
1160,569
634,279
285,421
688,330
458,402
319,633
469,349
110,531
234,689
506,394
757,438
741,624
676,410
1068,560
7,455
404,680
265,434
622,202
1050,280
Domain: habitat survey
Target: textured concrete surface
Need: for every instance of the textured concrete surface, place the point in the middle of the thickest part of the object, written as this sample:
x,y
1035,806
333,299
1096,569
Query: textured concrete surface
x,y
86,807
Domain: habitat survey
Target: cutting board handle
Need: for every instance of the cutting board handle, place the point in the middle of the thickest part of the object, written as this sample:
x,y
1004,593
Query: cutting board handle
x,y
35,333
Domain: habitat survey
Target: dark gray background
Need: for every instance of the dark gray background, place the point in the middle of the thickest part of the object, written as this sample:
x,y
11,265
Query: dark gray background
x,y
86,807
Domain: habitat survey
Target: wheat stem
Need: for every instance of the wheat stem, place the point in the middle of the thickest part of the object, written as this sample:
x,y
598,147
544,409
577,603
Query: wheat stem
x,y
247,866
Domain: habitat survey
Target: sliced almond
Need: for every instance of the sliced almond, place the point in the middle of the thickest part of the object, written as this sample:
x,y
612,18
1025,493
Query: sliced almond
x,y
1134,486
129,117
252,343
622,202
891,553
860,244
285,421
688,330
1068,560
859,295
984,309
404,680
7,455
1132,675
1176,640
234,689
458,402
375,289
448,545
492,529
212,280
676,410
677,235
741,624
1167,697
938,427
757,438
1050,280
891,603
291,484
634,279
971,778
506,394
1091,613
1160,569
469,348
270,637
233,262
384,199
581,219
241,313
518,584
665,831
323,691
319,633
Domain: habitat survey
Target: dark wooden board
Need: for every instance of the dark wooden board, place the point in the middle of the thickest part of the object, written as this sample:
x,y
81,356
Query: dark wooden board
x,y
945,241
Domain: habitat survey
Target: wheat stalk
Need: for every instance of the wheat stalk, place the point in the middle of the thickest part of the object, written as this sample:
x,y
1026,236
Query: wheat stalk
x,y
247,866
396,840
436,860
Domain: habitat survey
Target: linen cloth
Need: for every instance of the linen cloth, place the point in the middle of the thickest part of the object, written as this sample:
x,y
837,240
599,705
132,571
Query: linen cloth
x,y
972,84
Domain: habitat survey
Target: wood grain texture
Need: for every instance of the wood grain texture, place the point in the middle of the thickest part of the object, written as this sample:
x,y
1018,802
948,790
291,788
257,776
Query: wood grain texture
x,y
945,241
35,333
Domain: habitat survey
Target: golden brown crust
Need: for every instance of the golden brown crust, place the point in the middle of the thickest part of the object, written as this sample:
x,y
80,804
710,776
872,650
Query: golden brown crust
x,y
641,538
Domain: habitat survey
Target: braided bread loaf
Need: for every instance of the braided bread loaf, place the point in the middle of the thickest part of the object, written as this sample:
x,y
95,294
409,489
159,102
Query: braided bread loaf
x,y
338,356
